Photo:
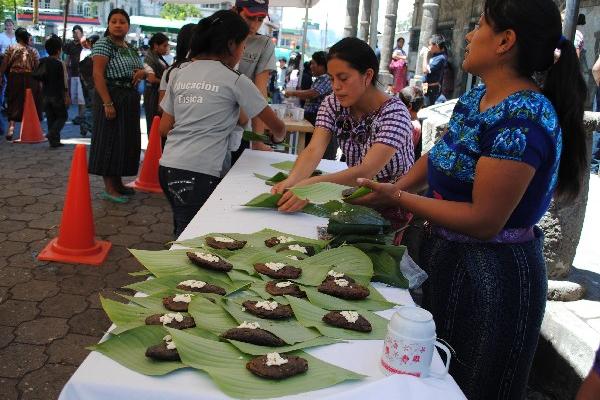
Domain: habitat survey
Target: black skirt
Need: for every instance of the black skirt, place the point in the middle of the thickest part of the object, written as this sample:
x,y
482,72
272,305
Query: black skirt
x,y
115,149
17,84
150,104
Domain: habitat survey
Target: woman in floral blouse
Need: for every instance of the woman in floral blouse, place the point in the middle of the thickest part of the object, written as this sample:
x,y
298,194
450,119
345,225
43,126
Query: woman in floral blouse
x,y
19,61
511,145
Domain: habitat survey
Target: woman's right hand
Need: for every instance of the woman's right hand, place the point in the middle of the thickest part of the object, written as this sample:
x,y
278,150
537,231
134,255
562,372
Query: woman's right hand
x,y
281,187
110,112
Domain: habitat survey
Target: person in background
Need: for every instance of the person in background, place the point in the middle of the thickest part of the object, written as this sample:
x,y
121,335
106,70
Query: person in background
x,y
155,65
434,69
55,90
595,159
279,81
257,62
7,38
73,50
372,128
412,97
19,61
510,148
115,148
199,120
86,68
398,66
590,388
182,49
313,97
579,41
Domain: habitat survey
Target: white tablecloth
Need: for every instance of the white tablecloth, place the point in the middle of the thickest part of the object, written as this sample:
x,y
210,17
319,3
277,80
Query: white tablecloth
x,y
99,377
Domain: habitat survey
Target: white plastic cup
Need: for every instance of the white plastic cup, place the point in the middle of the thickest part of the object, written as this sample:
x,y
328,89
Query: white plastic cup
x,y
297,114
409,344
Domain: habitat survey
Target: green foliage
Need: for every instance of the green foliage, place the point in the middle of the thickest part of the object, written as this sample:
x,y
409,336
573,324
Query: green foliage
x,y
179,11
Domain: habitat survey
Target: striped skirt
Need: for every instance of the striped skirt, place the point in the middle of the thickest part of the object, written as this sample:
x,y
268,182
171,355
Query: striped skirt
x,y
115,149
488,303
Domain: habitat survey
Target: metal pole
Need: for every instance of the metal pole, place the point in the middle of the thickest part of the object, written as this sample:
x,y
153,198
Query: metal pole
x,y
36,12
65,18
570,22
301,69
373,26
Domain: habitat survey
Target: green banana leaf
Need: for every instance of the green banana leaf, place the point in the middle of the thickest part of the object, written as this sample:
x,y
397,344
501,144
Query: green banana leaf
x,y
347,259
129,348
311,315
126,316
290,331
210,316
386,267
249,348
323,210
359,192
227,367
272,180
320,193
140,273
328,302
156,285
284,165
351,238
265,200
259,137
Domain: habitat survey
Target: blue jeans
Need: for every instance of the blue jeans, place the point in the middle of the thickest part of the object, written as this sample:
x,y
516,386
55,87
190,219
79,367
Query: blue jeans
x,y
277,97
488,303
186,191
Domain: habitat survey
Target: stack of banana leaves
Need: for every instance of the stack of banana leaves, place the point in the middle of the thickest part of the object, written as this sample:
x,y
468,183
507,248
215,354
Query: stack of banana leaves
x,y
222,307
358,226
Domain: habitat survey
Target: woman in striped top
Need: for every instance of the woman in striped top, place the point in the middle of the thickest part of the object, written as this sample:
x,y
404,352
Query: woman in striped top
x,y
373,129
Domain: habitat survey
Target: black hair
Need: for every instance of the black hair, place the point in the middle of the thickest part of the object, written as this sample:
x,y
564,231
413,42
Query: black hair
x,y
157,39
358,54
213,34
538,28
113,12
412,97
53,45
581,20
294,62
439,40
93,39
184,37
400,38
320,57
77,28
7,20
22,36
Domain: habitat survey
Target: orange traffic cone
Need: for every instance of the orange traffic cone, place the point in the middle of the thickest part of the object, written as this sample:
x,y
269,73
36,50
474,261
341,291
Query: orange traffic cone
x,y
147,180
31,130
76,243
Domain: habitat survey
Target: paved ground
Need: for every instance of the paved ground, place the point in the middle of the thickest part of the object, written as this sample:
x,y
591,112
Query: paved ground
x,y
50,312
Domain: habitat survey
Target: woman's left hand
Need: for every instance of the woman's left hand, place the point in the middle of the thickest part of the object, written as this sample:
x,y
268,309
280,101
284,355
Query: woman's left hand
x,y
383,195
138,75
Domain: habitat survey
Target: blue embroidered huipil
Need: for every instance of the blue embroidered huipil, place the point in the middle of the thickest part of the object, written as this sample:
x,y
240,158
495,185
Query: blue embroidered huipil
x,y
523,127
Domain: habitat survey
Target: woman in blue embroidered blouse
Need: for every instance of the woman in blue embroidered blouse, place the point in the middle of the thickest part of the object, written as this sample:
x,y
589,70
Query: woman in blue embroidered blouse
x,y
511,145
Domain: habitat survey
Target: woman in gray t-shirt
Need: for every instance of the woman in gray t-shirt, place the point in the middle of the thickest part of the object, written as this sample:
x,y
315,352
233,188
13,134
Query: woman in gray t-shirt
x,y
201,110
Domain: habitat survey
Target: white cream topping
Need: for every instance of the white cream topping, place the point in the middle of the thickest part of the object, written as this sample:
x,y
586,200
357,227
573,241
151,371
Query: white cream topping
x,y
223,239
285,239
171,346
274,266
283,284
183,298
297,247
274,359
249,325
193,283
207,257
168,318
351,316
293,258
341,282
168,338
335,274
267,305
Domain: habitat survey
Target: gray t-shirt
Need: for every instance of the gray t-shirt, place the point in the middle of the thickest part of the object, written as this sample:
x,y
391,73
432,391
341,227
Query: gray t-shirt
x,y
259,56
205,97
163,80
